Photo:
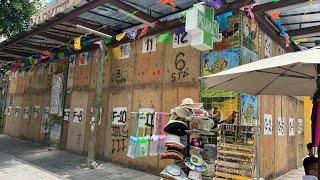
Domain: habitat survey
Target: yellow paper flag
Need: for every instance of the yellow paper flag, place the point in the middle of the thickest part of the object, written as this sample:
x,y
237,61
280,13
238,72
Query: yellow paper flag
x,y
116,52
77,43
120,36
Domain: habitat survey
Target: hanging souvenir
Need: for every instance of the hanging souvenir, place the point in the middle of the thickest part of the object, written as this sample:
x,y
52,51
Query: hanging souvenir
x,y
77,43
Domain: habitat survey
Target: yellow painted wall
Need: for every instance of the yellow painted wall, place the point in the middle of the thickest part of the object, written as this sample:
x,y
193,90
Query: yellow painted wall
x,y
307,120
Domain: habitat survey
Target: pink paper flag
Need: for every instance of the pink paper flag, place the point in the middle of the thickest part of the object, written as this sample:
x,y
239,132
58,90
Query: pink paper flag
x,y
100,43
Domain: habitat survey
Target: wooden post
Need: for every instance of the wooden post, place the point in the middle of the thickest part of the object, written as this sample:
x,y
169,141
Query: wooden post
x,y
96,109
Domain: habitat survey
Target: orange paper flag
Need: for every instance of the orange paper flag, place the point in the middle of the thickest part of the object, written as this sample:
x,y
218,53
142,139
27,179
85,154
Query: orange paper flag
x,y
274,15
170,2
144,31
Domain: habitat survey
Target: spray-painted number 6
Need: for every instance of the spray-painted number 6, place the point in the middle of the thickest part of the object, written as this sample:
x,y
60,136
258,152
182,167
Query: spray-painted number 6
x,y
180,65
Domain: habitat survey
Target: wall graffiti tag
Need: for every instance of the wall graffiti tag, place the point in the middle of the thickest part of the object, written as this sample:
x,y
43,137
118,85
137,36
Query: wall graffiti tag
x,y
36,111
119,76
119,116
17,111
180,66
78,115
119,131
180,40
66,114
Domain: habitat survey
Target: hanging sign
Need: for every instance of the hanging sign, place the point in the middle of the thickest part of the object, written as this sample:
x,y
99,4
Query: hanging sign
x,y
149,44
26,111
280,126
36,111
146,117
17,112
300,126
180,40
78,115
202,27
291,126
66,114
83,59
267,124
119,116
56,89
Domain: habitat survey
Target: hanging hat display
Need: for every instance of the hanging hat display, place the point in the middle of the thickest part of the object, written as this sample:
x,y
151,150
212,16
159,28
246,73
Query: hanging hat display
x,y
174,141
173,172
188,103
196,163
176,127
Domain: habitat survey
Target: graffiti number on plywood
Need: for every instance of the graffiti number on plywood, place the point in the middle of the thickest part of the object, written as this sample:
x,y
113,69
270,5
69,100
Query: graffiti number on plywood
x,y
149,44
78,115
181,71
180,40
119,116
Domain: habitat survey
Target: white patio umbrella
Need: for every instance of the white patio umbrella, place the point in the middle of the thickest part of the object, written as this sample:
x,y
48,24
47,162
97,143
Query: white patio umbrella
x,y
289,74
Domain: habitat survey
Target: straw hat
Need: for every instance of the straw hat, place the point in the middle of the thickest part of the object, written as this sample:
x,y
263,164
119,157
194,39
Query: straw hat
x,y
174,141
188,103
196,163
176,127
182,112
173,172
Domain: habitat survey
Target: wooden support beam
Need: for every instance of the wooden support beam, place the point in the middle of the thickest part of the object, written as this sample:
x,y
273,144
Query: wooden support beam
x,y
53,37
272,33
131,9
6,58
32,46
303,31
16,53
283,3
106,30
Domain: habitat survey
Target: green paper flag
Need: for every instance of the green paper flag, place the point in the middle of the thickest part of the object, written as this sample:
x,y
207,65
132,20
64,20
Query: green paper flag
x,y
61,55
165,37
30,60
275,1
107,40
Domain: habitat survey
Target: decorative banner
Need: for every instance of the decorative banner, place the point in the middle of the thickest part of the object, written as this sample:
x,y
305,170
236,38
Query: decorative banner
x,y
72,60
36,111
26,111
267,46
119,37
83,59
170,2
165,37
125,51
281,125
291,126
116,52
149,44
181,40
202,27
66,114
144,31
78,115
146,117
267,124
56,89
77,43
17,111
300,126
119,116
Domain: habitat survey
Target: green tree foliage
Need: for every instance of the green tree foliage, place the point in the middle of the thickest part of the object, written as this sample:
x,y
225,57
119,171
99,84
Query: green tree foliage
x,y
16,15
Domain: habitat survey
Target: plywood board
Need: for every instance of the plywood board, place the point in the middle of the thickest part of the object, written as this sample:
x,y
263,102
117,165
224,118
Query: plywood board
x,y
292,140
122,70
180,64
266,146
149,66
76,134
81,74
117,137
281,163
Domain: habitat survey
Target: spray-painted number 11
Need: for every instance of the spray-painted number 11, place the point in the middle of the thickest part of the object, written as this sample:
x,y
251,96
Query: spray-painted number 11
x,y
149,44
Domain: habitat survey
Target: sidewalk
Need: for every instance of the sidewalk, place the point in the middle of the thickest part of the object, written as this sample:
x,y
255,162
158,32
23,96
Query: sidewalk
x,y
295,174
25,160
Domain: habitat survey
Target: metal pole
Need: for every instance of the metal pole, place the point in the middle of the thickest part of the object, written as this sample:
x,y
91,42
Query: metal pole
x,y
97,104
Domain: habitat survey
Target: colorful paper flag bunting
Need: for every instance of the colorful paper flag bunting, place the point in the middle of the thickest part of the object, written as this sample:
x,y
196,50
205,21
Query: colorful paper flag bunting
x,y
274,15
77,43
170,2
120,36
116,52
165,37
100,43
144,31
61,55
107,40
132,34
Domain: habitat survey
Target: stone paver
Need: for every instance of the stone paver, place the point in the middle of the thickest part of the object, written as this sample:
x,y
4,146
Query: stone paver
x,y
295,174
33,159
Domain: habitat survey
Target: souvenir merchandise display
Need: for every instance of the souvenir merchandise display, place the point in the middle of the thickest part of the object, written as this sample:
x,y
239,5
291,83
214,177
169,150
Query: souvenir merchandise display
x,y
236,152
183,141
142,144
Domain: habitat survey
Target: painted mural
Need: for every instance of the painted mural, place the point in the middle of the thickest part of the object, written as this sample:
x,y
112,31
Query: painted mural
x,y
250,34
225,102
249,109
248,56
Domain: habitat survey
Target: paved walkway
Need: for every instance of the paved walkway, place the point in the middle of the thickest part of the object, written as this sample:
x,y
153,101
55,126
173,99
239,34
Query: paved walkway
x,y
295,174
29,161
